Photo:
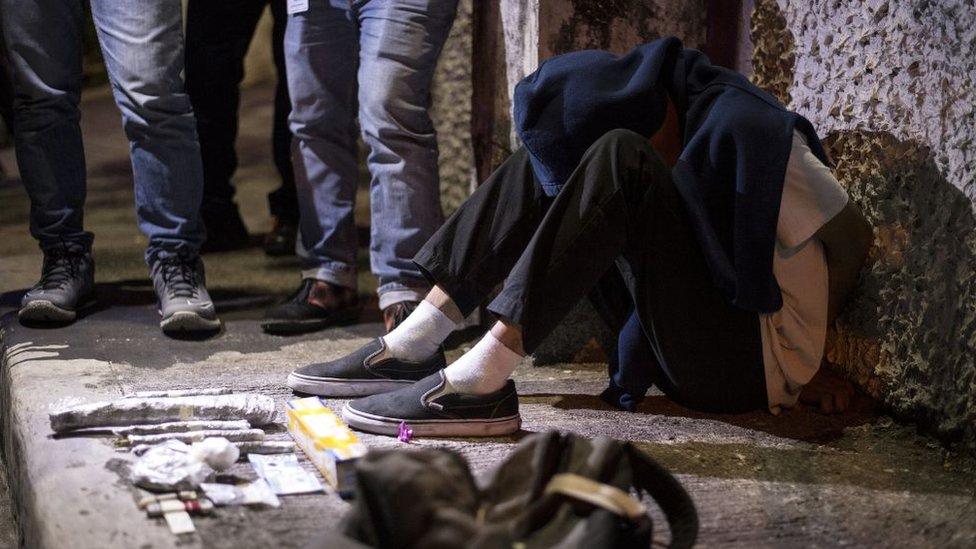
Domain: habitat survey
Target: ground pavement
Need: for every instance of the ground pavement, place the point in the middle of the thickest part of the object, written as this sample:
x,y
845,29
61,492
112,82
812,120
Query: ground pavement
x,y
800,479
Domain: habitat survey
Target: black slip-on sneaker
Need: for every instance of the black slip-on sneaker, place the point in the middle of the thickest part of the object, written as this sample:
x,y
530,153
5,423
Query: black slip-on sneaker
x,y
431,407
363,373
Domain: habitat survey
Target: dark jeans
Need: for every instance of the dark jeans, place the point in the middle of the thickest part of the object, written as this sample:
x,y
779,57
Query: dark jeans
x,y
617,228
218,34
143,50
6,92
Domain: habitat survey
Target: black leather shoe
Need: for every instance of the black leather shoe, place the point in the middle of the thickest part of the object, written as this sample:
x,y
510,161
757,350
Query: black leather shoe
x,y
395,314
362,373
315,306
431,407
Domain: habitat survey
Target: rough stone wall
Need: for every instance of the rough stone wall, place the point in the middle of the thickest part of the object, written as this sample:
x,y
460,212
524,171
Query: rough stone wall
x,y
890,86
451,111
618,25
535,30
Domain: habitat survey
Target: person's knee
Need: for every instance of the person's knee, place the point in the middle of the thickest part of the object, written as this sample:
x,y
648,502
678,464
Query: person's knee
x,y
387,110
45,110
621,139
148,110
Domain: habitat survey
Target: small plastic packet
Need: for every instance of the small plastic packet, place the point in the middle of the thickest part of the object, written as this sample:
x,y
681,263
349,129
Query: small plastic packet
x,y
284,474
169,467
257,493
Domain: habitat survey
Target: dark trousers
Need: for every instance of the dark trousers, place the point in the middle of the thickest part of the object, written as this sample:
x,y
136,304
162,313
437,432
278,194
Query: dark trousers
x,y
218,33
6,92
618,230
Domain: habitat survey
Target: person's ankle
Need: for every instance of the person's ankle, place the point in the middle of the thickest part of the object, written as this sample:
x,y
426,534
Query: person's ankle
x,y
420,335
484,369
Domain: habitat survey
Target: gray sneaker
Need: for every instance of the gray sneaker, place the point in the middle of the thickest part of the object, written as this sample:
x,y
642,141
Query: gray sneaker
x,y
67,282
184,303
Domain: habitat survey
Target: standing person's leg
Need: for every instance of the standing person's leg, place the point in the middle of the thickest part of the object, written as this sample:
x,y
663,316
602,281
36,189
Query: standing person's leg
x,y
401,41
283,201
321,53
469,256
619,207
142,44
6,93
44,45
217,37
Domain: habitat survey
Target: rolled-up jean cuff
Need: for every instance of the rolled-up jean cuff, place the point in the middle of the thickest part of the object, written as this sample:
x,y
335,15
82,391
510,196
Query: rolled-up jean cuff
x,y
465,296
397,295
344,278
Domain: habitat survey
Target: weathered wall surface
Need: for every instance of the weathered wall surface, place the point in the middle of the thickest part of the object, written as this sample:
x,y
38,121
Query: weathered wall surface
x,y
535,30
891,86
451,111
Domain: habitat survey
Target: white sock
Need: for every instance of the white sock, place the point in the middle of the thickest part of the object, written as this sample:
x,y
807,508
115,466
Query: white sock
x,y
484,369
420,334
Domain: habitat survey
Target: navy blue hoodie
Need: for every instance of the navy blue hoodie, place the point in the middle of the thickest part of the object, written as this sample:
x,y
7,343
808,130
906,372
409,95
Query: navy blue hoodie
x,y
736,144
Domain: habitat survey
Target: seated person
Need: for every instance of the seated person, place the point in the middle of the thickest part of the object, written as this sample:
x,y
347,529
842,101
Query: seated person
x,y
720,249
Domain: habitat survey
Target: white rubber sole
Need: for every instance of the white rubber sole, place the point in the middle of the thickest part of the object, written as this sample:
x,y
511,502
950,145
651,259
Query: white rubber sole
x,y
343,388
433,427
42,310
188,321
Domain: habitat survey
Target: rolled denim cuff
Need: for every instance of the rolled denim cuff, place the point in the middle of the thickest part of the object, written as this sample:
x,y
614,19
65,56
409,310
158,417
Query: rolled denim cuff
x,y
391,294
343,276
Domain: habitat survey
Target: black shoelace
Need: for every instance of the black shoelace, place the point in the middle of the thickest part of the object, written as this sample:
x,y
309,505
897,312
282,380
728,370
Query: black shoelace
x,y
61,266
180,276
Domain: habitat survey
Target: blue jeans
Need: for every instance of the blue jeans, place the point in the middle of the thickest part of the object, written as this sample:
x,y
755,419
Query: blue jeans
x,y
374,58
142,44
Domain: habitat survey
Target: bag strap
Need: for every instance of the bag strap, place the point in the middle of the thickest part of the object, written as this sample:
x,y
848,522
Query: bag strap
x,y
611,498
670,495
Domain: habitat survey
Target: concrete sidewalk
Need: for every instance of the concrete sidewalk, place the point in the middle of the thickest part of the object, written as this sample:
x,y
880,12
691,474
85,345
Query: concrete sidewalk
x,y
800,479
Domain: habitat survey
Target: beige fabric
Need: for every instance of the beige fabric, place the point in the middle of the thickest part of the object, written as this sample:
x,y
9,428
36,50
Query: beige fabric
x,y
793,337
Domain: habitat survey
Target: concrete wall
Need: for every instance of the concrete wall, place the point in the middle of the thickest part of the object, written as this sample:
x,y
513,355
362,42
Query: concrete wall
x,y
891,86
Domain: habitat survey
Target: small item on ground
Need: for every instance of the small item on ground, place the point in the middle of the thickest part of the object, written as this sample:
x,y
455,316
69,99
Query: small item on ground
x,y
284,474
193,507
404,432
181,393
257,493
181,427
243,435
329,444
148,499
256,409
219,453
266,447
179,522
169,467
248,447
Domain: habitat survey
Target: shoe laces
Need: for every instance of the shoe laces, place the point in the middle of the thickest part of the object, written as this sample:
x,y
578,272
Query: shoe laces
x,y
61,265
179,274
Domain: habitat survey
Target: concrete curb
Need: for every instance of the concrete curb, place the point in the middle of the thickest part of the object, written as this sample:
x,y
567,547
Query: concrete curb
x,y
55,506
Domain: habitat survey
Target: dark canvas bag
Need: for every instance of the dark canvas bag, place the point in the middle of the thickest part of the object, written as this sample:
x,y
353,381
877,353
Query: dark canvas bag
x,y
554,490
